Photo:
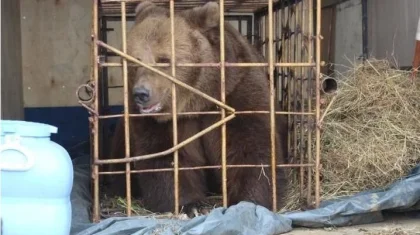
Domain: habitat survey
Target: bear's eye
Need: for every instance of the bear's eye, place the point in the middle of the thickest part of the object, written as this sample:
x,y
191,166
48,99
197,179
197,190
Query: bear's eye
x,y
163,60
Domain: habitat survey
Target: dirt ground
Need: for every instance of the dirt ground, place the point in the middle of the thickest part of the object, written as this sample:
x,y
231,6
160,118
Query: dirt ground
x,y
395,225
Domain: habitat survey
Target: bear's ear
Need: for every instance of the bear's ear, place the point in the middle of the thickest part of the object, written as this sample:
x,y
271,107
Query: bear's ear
x,y
146,8
203,18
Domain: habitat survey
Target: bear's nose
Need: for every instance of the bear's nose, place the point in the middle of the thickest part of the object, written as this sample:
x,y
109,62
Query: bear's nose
x,y
141,95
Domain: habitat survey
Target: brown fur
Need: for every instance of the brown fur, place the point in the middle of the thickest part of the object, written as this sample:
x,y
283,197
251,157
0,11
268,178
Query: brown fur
x,y
248,136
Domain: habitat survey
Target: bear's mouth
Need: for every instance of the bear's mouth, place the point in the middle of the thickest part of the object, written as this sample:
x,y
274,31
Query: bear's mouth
x,y
150,109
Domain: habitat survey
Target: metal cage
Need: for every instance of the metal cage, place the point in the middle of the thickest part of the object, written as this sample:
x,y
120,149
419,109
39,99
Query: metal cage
x,y
286,32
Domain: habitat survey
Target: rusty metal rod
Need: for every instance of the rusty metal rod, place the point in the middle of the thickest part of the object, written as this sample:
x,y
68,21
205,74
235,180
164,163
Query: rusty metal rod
x,y
188,87
309,82
318,98
310,32
286,72
223,99
174,110
272,104
227,64
204,167
203,113
95,175
298,86
171,150
126,110
302,98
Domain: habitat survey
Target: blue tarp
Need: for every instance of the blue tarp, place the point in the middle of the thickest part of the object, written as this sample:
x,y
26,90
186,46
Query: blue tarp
x,y
248,218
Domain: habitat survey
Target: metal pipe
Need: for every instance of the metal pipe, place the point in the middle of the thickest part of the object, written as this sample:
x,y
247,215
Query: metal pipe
x,y
205,167
302,98
95,174
201,113
309,90
329,85
223,99
272,105
227,64
126,110
317,105
174,110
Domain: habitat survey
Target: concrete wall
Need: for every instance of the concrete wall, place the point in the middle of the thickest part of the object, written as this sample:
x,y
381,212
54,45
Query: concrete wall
x,y
348,34
11,61
392,28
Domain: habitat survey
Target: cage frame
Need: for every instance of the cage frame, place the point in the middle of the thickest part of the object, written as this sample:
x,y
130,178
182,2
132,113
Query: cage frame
x,y
94,87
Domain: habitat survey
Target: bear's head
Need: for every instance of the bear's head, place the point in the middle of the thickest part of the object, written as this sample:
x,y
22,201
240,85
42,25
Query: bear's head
x,y
150,42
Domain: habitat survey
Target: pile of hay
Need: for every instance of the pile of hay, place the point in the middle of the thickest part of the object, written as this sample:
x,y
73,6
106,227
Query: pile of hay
x,y
371,131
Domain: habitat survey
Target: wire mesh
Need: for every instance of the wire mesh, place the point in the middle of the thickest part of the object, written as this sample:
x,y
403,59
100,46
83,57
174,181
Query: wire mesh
x,y
283,33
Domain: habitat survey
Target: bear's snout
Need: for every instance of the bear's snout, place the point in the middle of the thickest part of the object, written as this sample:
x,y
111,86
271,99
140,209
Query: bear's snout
x,y
141,95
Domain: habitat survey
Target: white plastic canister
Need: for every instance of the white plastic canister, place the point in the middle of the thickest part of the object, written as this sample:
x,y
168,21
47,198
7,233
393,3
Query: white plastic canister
x,y
36,180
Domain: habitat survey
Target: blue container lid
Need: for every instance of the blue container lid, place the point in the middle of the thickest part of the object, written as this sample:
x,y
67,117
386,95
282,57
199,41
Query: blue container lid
x,y
29,129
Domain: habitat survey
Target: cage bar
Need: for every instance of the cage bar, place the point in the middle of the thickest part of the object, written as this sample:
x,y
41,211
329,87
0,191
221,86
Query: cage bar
x,y
223,99
227,64
318,98
206,167
309,91
272,97
302,98
95,174
126,110
174,111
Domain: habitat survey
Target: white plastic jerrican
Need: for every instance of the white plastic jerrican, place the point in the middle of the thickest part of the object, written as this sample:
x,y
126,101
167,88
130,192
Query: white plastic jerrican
x,y
36,180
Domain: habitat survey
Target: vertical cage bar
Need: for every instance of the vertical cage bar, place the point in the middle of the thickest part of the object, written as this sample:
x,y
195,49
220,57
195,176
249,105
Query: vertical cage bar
x,y
309,90
95,118
311,30
292,57
126,110
276,55
223,100
317,105
264,31
174,109
302,97
249,29
103,84
297,92
256,35
286,49
272,96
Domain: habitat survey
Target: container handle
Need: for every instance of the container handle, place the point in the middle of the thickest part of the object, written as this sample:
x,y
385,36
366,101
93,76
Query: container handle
x,y
12,142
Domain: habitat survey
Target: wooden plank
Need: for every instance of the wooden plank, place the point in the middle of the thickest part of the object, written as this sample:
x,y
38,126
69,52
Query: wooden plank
x,y
11,54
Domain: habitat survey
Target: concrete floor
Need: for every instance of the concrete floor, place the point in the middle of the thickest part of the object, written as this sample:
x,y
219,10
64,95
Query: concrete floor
x,y
396,225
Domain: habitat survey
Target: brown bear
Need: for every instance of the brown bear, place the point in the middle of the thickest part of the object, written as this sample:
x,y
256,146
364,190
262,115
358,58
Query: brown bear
x,y
197,40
